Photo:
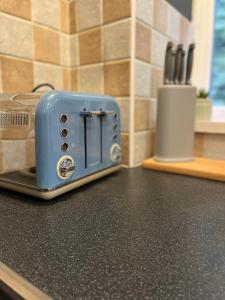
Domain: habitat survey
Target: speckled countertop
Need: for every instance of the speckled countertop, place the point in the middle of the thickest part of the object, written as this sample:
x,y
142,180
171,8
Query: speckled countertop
x,y
137,234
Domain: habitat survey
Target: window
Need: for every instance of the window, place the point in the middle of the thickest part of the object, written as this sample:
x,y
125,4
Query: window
x,y
217,86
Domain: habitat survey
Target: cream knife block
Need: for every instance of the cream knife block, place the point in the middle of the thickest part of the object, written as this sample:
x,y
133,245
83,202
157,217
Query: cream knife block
x,y
175,123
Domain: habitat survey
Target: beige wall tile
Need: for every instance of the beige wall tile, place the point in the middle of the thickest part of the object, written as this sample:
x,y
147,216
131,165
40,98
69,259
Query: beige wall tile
x,y
184,30
30,153
144,11
17,75
143,42
69,50
160,15
214,146
142,79
191,34
117,79
199,145
48,73
19,8
16,37
65,51
173,23
117,40
46,45
115,10
14,153
68,16
90,47
1,157
124,104
156,81
88,13
125,149
145,114
143,146
1,87
70,80
91,79
46,13
142,114
159,42
153,113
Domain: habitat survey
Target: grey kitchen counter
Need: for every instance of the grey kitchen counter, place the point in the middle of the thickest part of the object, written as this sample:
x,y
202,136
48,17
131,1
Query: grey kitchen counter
x,y
136,234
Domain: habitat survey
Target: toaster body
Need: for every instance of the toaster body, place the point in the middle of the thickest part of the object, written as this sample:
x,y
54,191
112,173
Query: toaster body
x,y
77,140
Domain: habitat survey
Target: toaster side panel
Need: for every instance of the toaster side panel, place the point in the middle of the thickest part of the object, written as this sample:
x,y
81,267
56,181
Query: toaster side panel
x,y
76,135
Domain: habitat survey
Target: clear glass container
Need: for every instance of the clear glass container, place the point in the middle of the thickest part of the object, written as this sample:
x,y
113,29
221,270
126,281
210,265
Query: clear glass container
x,y
17,131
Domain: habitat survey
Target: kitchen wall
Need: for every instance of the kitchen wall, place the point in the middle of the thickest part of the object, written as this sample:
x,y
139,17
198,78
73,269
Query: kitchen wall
x,y
210,145
103,46
183,6
156,23
79,45
37,44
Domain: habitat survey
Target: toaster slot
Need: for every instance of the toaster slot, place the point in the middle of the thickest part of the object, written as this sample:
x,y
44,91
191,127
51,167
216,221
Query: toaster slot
x,y
85,142
93,138
101,145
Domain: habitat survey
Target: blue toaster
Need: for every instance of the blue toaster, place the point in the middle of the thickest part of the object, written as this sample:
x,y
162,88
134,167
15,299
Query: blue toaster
x,y
77,140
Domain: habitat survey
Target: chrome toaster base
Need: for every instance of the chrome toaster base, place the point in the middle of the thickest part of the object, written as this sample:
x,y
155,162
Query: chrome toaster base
x,y
24,181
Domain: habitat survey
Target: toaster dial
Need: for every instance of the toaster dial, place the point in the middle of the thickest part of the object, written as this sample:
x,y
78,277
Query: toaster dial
x,y
65,167
64,132
63,118
115,152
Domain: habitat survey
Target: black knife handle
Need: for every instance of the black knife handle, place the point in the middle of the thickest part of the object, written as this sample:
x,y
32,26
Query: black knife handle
x,y
178,61
167,65
172,67
189,63
181,75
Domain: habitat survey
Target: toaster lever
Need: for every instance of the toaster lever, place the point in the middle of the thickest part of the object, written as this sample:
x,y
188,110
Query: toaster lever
x,y
100,113
85,114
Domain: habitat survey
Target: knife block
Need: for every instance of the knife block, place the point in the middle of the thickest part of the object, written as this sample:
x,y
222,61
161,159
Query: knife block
x,y
175,123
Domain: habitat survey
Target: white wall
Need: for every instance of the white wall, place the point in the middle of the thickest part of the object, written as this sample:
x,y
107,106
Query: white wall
x,y
203,27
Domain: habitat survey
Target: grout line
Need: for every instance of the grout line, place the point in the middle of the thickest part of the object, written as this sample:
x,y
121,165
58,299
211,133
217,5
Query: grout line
x,y
1,85
145,131
117,22
102,48
142,62
150,99
13,56
102,25
132,82
100,64
30,22
116,61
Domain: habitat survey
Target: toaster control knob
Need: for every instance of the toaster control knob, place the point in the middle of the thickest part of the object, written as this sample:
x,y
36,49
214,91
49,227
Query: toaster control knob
x,y
115,152
64,132
63,118
65,167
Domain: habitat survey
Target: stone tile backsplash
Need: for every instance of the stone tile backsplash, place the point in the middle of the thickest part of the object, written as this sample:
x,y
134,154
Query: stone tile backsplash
x,y
46,45
143,42
114,47
114,10
116,41
16,74
88,14
46,13
16,36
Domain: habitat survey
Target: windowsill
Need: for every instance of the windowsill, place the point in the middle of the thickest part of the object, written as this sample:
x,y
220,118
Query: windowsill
x,y
215,125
